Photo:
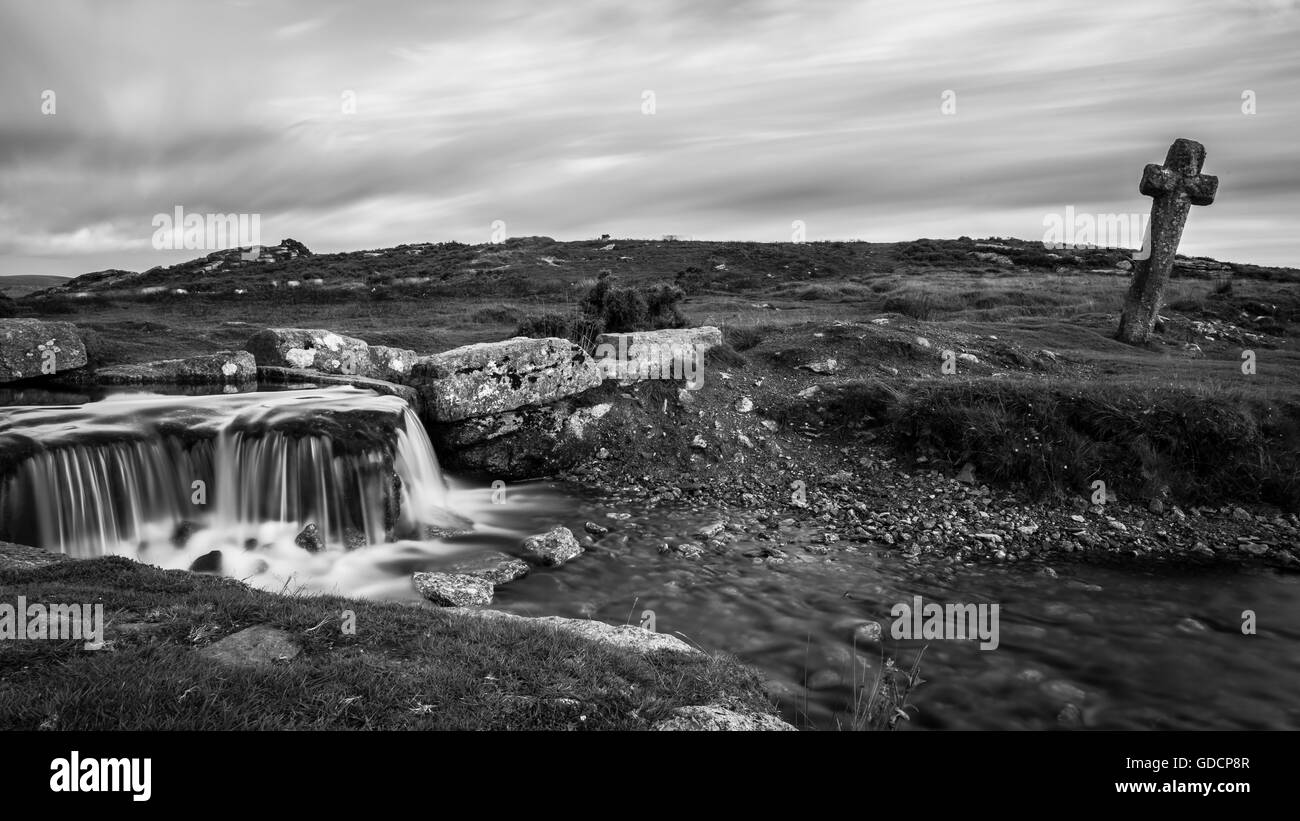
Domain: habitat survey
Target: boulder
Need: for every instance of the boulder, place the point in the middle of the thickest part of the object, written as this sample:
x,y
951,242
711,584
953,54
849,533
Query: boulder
x,y
555,547
317,350
493,377
213,369
453,589
34,347
712,717
391,364
622,637
676,353
518,444
330,353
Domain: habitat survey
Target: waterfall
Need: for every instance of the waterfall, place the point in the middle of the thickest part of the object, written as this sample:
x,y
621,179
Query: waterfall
x,y
136,474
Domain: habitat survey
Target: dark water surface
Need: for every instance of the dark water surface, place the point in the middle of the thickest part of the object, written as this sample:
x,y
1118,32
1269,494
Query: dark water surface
x,y
1131,648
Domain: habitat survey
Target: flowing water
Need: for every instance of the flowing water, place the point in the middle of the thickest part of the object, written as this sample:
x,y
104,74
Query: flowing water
x,y
1096,647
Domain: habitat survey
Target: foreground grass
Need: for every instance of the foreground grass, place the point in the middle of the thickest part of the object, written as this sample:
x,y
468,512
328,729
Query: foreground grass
x,y
405,667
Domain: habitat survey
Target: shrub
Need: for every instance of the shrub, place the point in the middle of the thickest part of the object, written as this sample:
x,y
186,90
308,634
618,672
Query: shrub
x,y
493,314
576,328
691,279
742,339
915,304
621,309
724,356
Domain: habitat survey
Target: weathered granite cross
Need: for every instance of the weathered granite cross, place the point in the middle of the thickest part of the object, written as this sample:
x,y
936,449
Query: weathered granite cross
x,y
1175,187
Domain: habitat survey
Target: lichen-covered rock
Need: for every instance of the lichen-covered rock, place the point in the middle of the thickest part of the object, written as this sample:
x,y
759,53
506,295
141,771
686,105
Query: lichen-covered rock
x,y
493,377
329,353
34,347
391,364
623,636
498,568
453,589
712,717
214,369
318,350
555,547
676,353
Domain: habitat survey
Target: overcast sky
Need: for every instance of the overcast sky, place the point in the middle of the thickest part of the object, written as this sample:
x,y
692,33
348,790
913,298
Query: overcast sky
x,y
532,113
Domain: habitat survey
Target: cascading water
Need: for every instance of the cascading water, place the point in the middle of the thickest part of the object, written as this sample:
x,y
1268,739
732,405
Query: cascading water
x,y
241,473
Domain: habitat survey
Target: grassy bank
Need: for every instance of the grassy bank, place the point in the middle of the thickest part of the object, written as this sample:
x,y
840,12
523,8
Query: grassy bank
x,y
1199,444
408,668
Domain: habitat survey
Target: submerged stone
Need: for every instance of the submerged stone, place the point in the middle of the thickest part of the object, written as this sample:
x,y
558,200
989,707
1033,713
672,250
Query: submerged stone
x,y
496,567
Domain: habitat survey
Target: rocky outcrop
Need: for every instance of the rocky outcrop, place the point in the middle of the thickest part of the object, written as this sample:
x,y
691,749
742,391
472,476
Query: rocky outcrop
x,y
329,353
522,443
668,354
714,718
227,367
553,548
453,589
622,637
34,347
491,378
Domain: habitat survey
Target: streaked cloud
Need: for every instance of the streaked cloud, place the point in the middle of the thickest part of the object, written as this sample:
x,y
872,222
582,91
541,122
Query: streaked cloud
x,y
765,112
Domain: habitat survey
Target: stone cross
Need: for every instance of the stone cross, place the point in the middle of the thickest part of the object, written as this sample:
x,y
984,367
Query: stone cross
x,y
1174,187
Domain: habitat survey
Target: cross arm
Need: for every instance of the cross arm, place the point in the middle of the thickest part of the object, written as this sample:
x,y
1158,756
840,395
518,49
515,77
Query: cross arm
x,y
1201,188
1157,180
